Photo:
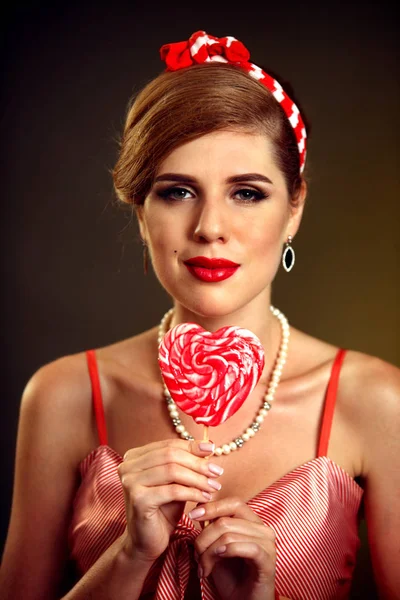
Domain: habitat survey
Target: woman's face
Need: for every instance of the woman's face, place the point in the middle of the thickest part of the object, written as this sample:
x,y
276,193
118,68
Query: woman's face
x,y
220,196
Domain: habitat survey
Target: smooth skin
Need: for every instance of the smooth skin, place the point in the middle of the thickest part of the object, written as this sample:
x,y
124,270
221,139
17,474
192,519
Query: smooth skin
x,y
158,479
161,475
237,533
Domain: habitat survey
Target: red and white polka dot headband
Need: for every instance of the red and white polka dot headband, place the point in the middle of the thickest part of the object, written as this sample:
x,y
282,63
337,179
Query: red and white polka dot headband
x,y
203,48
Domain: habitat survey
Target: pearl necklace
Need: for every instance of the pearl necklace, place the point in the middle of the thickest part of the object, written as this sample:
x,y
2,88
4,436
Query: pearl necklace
x,y
268,397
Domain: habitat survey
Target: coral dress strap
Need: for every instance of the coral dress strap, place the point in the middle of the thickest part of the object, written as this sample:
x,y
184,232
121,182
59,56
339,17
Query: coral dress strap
x,y
330,401
96,397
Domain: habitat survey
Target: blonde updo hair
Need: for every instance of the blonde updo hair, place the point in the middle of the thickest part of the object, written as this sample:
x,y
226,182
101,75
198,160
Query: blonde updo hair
x,y
179,106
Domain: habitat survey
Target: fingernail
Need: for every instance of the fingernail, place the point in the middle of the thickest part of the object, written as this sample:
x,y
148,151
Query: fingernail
x,y
220,550
206,495
216,469
214,484
197,512
207,446
200,571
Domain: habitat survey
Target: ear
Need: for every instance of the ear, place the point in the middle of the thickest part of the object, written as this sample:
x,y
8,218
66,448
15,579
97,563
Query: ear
x,y
296,210
139,209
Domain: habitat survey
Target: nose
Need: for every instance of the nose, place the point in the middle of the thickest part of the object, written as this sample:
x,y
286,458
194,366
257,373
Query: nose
x,y
212,223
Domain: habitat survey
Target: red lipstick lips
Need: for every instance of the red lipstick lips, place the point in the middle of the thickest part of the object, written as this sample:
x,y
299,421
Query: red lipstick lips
x,y
211,269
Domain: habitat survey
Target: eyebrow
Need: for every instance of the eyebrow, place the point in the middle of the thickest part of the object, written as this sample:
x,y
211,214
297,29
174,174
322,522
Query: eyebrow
x,y
234,179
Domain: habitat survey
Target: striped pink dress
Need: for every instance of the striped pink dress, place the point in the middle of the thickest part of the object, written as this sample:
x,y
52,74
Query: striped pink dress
x,y
313,509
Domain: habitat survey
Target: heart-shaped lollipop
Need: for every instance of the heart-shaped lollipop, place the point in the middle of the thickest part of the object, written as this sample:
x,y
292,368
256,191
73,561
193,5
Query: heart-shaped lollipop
x,y
209,375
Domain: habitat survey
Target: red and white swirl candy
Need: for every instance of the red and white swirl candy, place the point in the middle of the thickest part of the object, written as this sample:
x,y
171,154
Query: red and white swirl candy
x,y
209,375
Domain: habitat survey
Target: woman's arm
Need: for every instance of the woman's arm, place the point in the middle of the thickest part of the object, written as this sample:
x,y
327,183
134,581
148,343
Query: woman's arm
x,y
380,404
54,428
115,576
56,431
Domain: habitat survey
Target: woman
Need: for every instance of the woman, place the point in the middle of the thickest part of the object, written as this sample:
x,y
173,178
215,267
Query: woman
x,y
212,159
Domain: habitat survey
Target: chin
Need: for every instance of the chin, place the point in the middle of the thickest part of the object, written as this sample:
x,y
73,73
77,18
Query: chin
x,y
215,301
213,306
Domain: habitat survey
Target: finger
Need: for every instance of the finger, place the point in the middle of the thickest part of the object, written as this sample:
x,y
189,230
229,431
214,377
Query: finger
x,y
225,507
169,455
147,500
210,556
226,529
263,561
197,447
172,443
202,447
173,473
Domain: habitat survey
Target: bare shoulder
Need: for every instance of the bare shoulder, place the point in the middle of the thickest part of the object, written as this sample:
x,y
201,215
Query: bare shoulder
x,y
59,394
365,380
130,366
372,369
61,376
56,405
371,384
371,390
53,436
369,387
368,402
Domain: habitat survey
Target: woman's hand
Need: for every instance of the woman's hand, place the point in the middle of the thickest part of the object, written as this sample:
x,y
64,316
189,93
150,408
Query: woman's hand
x,y
238,549
158,479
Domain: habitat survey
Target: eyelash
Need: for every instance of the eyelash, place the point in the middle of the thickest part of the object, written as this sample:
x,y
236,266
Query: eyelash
x,y
257,195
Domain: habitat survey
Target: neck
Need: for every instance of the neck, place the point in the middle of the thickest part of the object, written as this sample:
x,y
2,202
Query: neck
x,y
254,316
258,319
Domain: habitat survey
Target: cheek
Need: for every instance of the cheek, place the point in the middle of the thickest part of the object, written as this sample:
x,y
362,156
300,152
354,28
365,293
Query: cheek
x,y
163,242
159,231
266,234
266,240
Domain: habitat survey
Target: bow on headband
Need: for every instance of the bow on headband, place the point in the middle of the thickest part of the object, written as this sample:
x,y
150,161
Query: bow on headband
x,y
204,48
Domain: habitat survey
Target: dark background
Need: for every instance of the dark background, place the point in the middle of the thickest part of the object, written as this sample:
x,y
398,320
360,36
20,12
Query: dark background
x,y
71,260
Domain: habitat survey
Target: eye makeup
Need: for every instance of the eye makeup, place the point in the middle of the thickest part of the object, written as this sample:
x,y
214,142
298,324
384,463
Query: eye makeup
x,y
178,194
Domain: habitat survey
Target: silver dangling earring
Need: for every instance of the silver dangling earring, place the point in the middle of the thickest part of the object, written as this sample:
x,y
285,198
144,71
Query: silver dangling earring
x,y
288,256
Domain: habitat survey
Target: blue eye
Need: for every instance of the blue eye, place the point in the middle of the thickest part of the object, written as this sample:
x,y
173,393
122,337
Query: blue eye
x,y
249,195
244,195
174,193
